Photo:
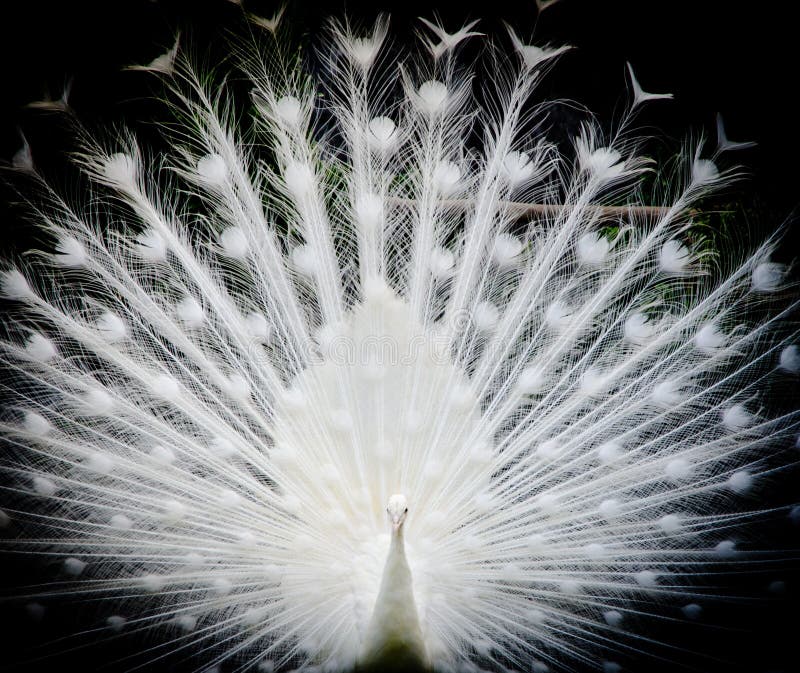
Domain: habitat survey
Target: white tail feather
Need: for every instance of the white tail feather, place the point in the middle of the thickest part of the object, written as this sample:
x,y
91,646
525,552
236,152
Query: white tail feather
x,y
567,405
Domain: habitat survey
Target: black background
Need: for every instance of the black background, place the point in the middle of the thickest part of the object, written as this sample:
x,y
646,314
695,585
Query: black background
x,y
739,59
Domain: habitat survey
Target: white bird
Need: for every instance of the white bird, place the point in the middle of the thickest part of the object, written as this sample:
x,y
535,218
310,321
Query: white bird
x,y
338,314
394,640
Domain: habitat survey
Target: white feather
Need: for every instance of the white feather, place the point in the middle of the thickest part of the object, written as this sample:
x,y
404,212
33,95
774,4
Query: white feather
x,y
289,110
234,242
40,348
704,171
150,246
190,312
674,257
212,170
70,252
768,276
507,249
603,163
111,327
640,95
15,286
518,168
382,134
214,405
593,248
709,339
790,359
36,424
531,55
639,329
432,96
446,176
120,169
737,417
441,262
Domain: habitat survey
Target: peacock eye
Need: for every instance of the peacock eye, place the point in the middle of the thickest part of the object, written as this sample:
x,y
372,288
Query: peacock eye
x,y
405,511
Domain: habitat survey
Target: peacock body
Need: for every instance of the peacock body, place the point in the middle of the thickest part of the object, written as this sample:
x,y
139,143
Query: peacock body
x,y
355,308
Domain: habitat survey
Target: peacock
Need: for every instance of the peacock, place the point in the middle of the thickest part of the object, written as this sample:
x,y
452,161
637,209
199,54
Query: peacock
x,y
379,376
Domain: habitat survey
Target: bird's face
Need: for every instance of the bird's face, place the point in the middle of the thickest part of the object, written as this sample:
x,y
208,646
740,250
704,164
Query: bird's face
x,y
397,509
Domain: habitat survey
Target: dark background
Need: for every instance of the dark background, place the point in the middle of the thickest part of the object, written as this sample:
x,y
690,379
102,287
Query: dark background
x,y
739,59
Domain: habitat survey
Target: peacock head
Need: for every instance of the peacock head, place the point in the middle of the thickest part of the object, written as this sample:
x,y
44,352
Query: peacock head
x,y
397,508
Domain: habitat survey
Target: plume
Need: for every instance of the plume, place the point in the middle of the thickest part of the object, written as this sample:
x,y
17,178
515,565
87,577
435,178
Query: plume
x,y
392,286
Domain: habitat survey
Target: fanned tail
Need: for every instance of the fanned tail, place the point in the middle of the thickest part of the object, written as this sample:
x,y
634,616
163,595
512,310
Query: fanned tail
x,y
390,284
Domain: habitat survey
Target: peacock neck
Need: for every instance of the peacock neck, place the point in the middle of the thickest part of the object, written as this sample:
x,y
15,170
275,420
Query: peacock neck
x,y
394,640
